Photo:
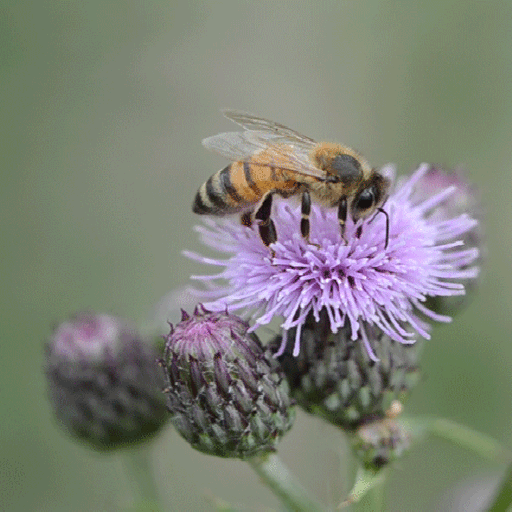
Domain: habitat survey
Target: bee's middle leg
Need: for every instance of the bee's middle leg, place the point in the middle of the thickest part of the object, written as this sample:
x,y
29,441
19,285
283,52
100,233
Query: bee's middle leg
x,y
266,226
305,211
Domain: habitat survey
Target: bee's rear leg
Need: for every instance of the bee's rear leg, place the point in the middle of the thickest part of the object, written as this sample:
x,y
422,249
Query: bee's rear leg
x,y
266,226
246,219
342,216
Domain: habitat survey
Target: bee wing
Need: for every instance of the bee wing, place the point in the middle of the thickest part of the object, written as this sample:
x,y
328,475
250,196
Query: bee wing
x,y
276,140
232,145
251,122
242,146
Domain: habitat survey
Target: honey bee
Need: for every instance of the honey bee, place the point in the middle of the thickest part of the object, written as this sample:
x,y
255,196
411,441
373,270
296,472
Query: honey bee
x,y
270,159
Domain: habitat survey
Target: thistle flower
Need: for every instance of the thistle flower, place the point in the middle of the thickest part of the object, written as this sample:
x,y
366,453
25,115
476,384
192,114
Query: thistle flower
x,y
357,282
227,395
103,381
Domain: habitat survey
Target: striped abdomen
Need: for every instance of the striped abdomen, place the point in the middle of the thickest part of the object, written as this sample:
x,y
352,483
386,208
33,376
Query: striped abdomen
x,y
239,186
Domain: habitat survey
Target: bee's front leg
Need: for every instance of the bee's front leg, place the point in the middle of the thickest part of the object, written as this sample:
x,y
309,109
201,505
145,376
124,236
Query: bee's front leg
x,y
342,216
266,226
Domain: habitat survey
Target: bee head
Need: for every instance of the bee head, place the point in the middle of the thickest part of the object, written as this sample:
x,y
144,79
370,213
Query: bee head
x,y
370,196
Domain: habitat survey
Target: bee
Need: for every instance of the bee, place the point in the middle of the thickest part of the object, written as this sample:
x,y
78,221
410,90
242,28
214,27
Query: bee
x,y
270,159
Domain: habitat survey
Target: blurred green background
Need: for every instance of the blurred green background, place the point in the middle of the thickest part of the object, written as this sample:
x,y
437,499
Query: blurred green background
x,y
103,107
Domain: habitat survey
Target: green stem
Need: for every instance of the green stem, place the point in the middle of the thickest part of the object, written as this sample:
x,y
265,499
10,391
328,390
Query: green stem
x,y
142,479
503,498
277,476
368,491
220,505
484,445
377,494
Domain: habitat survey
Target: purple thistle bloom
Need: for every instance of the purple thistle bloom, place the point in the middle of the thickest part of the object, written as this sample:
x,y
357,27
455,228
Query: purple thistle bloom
x,y
359,281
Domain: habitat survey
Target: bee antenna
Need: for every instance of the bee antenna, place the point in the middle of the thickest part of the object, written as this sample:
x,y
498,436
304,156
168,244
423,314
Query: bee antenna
x,y
381,210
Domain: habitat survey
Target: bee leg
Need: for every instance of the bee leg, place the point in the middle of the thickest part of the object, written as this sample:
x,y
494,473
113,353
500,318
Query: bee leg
x,y
342,216
266,225
246,219
304,221
305,211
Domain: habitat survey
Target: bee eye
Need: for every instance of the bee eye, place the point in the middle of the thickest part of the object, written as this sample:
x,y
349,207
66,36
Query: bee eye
x,y
366,199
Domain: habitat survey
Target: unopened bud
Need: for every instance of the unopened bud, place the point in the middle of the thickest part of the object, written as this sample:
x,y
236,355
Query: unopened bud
x,y
227,395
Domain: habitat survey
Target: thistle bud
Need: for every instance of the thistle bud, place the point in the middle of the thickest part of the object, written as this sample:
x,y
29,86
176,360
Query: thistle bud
x,y
103,381
227,395
334,376
464,200
380,442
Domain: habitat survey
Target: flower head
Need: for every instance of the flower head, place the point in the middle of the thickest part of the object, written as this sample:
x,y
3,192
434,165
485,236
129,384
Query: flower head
x,y
356,281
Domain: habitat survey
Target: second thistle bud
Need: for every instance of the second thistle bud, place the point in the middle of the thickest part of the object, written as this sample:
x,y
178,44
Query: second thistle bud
x,y
334,377
227,395
103,383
